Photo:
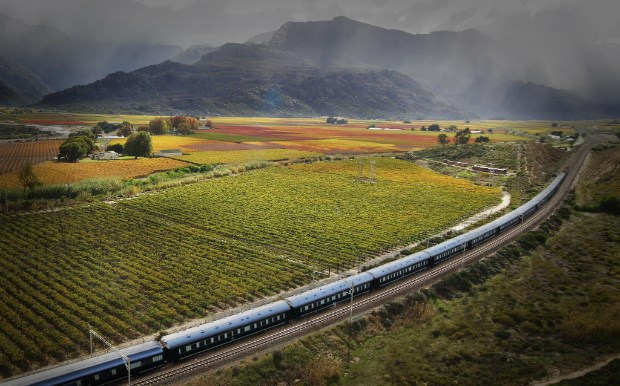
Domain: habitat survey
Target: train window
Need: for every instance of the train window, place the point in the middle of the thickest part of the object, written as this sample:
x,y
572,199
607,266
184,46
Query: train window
x,y
157,358
136,364
187,348
96,377
225,335
247,328
78,383
255,325
113,371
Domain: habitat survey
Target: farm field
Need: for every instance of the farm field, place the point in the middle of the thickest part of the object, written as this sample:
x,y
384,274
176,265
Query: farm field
x,y
54,173
139,266
15,155
242,156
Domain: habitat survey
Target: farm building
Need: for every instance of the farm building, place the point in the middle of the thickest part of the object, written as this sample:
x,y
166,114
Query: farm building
x,y
108,155
169,153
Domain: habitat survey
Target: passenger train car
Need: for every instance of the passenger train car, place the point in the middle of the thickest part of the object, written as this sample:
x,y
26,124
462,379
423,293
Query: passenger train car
x,y
174,347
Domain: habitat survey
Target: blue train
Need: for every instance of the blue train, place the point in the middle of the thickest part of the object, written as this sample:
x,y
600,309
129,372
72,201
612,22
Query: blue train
x,y
175,347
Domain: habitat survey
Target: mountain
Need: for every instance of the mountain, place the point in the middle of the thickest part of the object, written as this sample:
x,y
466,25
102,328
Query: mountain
x,y
9,97
250,80
20,86
263,38
61,62
467,68
194,53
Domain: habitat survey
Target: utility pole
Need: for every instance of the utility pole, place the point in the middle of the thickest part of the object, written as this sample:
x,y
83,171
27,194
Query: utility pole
x,y
372,171
123,356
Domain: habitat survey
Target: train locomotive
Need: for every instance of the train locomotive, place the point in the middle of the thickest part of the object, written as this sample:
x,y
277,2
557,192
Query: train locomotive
x,y
180,345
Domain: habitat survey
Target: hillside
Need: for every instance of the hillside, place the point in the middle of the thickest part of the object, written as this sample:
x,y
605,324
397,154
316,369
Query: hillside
x,y
8,96
19,86
254,80
454,65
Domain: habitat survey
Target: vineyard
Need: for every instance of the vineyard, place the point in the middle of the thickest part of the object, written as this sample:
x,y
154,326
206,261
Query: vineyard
x,y
241,156
141,265
15,155
54,173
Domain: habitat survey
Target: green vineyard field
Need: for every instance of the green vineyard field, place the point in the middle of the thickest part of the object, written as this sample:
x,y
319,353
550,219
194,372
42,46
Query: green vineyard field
x,y
139,266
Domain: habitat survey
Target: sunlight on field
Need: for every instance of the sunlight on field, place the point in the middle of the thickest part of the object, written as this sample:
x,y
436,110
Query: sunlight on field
x,y
339,146
52,173
169,142
242,156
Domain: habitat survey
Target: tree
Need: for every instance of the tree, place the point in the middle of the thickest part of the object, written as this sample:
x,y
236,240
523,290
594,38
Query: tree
x,y
184,125
490,131
96,130
125,130
84,133
108,127
75,148
434,127
117,147
27,178
462,136
443,139
139,145
144,128
423,128
452,128
159,126
482,139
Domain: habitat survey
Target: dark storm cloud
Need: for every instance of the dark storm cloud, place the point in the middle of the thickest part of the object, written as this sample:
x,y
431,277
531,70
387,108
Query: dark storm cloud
x,y
214,22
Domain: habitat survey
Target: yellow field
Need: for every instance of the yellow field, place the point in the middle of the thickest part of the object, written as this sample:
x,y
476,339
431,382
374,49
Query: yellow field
x,y
242,156
338,146
170,142
53,173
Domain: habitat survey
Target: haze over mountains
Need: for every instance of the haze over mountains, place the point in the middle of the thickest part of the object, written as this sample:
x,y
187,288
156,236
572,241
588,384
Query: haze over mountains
x,y
466,73
61,61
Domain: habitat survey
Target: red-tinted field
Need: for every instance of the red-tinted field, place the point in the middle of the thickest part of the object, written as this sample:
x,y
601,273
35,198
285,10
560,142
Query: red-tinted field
x,y
15,155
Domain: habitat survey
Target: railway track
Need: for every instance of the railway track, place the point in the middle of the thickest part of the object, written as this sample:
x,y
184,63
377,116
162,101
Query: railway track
x,y
267,340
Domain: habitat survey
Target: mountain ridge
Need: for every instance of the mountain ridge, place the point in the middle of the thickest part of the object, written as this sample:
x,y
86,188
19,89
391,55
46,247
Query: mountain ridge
x,y
253,80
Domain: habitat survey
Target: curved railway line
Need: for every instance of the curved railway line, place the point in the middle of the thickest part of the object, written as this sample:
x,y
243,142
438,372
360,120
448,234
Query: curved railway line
x,y
277,336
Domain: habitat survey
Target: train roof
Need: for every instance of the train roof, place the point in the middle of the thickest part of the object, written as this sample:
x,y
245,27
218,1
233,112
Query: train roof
x,y
399,264
318,293
64,374
228,323
446,245
472,234
360,278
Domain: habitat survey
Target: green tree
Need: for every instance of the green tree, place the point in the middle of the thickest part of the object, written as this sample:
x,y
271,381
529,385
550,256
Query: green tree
x,y
84,133
27,178
139,144
75,148
117,147
462,136
482,139
443,139
452,128
434,127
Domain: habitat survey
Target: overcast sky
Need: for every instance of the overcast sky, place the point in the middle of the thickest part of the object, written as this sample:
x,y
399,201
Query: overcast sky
x,y
186,22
